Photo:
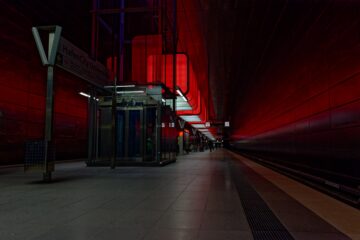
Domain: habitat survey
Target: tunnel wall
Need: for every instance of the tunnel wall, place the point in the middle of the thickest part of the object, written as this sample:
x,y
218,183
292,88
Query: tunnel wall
x,y
22,96
305,108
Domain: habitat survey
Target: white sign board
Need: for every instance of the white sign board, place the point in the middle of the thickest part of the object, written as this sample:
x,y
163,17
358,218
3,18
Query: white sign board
x,y
76,61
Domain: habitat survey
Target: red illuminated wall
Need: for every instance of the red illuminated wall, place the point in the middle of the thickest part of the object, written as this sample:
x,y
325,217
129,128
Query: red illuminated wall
x,y
192,41
151,64
306,106
22,96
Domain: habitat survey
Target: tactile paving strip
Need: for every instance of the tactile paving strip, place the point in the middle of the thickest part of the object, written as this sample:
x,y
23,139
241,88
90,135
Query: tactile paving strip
x,y
262,221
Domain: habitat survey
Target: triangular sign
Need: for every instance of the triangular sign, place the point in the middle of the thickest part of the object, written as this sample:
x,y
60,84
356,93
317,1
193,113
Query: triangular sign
x,y
194,131
54,39
181,123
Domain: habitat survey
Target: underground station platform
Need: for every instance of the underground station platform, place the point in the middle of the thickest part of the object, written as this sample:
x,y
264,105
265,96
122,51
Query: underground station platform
x,y
203,195
179,120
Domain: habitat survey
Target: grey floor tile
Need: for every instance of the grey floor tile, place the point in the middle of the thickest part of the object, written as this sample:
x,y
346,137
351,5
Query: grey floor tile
x,y
174,234
160,204
189,205
225,235
181,220
125,203
73,232
98,217
224,205
57,216
224,221
199,195
138,218
121,233
23,231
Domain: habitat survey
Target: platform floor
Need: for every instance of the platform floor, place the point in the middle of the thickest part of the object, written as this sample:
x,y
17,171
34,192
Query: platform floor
x,y
218,195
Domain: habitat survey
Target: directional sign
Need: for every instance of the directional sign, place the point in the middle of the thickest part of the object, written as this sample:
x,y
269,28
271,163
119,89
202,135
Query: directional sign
x,y
48,60
181,123
194,131
54,38
76,61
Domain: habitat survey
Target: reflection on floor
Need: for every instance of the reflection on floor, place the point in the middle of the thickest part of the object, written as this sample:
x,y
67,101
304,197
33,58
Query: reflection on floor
x,y
195,198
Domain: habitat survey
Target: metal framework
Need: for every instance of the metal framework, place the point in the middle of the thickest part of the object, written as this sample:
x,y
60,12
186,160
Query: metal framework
x,y
117,32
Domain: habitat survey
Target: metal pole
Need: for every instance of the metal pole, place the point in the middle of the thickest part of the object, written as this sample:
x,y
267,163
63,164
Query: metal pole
x,y
48,120
114,127
174,51
121,43
90,133
49,61
49,103
91,124
114,100
94,29
91,102
118,77
97,31
97,130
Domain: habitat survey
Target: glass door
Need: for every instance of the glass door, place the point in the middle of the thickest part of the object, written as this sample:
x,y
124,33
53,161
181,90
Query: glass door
x,y
120,134
150,133
134,135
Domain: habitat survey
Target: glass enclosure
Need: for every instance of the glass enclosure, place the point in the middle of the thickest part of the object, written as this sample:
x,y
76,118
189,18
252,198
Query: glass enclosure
x,y
143,131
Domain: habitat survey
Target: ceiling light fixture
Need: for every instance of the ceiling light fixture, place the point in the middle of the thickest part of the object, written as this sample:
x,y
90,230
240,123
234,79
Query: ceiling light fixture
x,y
130,92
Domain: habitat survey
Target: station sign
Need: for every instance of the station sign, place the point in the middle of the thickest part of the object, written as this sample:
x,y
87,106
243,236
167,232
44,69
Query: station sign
x,y
76,61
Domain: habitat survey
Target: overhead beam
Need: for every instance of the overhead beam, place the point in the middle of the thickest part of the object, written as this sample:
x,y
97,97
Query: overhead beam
x,y
122,10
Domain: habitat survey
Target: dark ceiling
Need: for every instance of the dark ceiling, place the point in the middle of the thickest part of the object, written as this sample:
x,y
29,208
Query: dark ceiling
x,y
244,38
247,36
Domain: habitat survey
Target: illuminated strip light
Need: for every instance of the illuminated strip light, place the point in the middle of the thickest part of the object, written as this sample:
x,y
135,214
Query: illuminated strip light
x,y
183,108
181,95
84,94
120,86
191,118
88,95
198,125
181,105
204,130
209,135
163,100
129,92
